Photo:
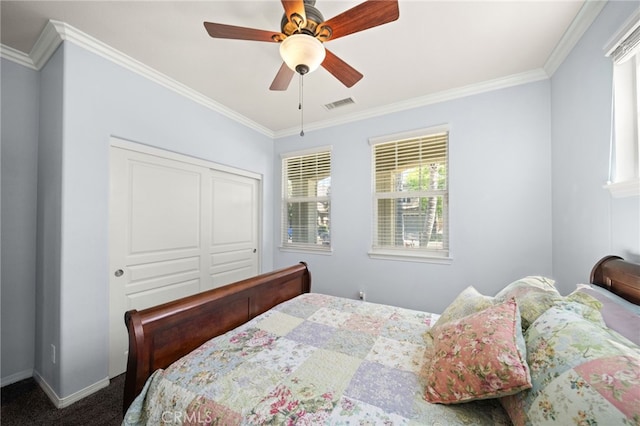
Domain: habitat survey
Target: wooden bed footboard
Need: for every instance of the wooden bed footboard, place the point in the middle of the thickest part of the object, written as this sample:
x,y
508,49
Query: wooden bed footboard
x,y
619,276
162,334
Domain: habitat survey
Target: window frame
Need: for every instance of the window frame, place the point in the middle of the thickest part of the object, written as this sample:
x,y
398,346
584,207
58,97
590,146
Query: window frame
x,y
411,254
284,200
624,155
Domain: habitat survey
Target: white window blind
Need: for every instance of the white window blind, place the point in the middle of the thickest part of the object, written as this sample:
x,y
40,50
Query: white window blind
x,y
306,200
624,174
627,48
410,191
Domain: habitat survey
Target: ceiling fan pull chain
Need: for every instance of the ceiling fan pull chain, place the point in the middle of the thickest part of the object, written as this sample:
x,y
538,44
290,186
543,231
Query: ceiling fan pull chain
x,y
300,102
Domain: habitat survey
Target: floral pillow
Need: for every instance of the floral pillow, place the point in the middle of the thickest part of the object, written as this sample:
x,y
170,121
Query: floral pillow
x,y
586,311
468,302
619,315
477,357
580,374
534,295
606,296
585,299
535,281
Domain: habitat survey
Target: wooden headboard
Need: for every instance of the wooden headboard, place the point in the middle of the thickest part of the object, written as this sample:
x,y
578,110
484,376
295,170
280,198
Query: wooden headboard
x,y
160,335
618,276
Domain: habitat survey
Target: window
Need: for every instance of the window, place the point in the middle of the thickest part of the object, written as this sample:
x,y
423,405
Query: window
x,y
410,195
306,200
625,147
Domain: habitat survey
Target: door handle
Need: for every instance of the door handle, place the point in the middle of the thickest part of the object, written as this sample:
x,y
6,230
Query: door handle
x,y
119,273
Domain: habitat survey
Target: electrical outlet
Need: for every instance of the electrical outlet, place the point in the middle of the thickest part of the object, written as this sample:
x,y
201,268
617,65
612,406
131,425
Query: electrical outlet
x,y
362,295
53,353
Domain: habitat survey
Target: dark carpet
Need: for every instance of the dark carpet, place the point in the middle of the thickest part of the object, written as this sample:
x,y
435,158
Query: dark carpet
x,y
25,403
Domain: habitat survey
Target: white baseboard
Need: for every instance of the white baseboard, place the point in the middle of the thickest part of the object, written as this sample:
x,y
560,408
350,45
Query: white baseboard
x,y
47,389
74,397
16,377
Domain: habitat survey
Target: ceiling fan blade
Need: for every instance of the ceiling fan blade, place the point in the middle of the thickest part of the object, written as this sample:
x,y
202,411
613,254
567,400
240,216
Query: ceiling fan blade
x,y
366,15
294,11
283,78
241,33
341,70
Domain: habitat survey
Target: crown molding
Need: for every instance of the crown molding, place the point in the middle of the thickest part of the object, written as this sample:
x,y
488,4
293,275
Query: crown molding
x,y
50,38
16,56
55,32
583,20
443,96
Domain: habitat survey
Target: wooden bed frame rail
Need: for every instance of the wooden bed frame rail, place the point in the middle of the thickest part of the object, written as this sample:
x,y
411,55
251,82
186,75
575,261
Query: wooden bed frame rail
x,y
163,334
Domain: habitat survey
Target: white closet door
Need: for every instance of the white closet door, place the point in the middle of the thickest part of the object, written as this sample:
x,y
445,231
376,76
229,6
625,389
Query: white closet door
x,y
234,228
167,237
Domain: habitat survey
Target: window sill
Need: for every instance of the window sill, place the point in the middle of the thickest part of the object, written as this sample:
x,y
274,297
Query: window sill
x,y
323,251
626,189
407,256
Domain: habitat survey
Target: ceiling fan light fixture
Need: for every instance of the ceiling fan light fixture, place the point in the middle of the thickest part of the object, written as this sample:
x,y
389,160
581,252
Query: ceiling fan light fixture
x,y
302,53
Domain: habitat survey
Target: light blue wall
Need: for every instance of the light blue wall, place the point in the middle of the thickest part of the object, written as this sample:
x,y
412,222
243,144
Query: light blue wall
x,y
102,99
19,153
83,100
50,201
587,222
500,200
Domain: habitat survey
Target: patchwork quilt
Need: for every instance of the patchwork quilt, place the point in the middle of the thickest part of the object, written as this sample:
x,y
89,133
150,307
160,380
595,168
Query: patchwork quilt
x,y
315,359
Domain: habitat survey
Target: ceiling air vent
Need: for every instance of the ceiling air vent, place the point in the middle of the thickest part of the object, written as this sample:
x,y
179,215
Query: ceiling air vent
x,y
340,103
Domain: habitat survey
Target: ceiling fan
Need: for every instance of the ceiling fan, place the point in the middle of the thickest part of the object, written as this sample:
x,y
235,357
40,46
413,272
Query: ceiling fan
x,y
304,32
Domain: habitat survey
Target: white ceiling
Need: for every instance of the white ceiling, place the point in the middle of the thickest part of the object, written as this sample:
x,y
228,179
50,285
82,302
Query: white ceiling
x,y
434,48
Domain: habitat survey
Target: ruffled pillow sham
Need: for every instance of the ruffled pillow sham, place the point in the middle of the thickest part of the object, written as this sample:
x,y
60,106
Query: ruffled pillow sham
x,y
581,373
479,356
619,315
534,294
468,302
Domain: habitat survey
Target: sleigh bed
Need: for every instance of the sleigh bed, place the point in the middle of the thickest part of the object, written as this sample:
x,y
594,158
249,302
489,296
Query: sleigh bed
x,y
283,355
